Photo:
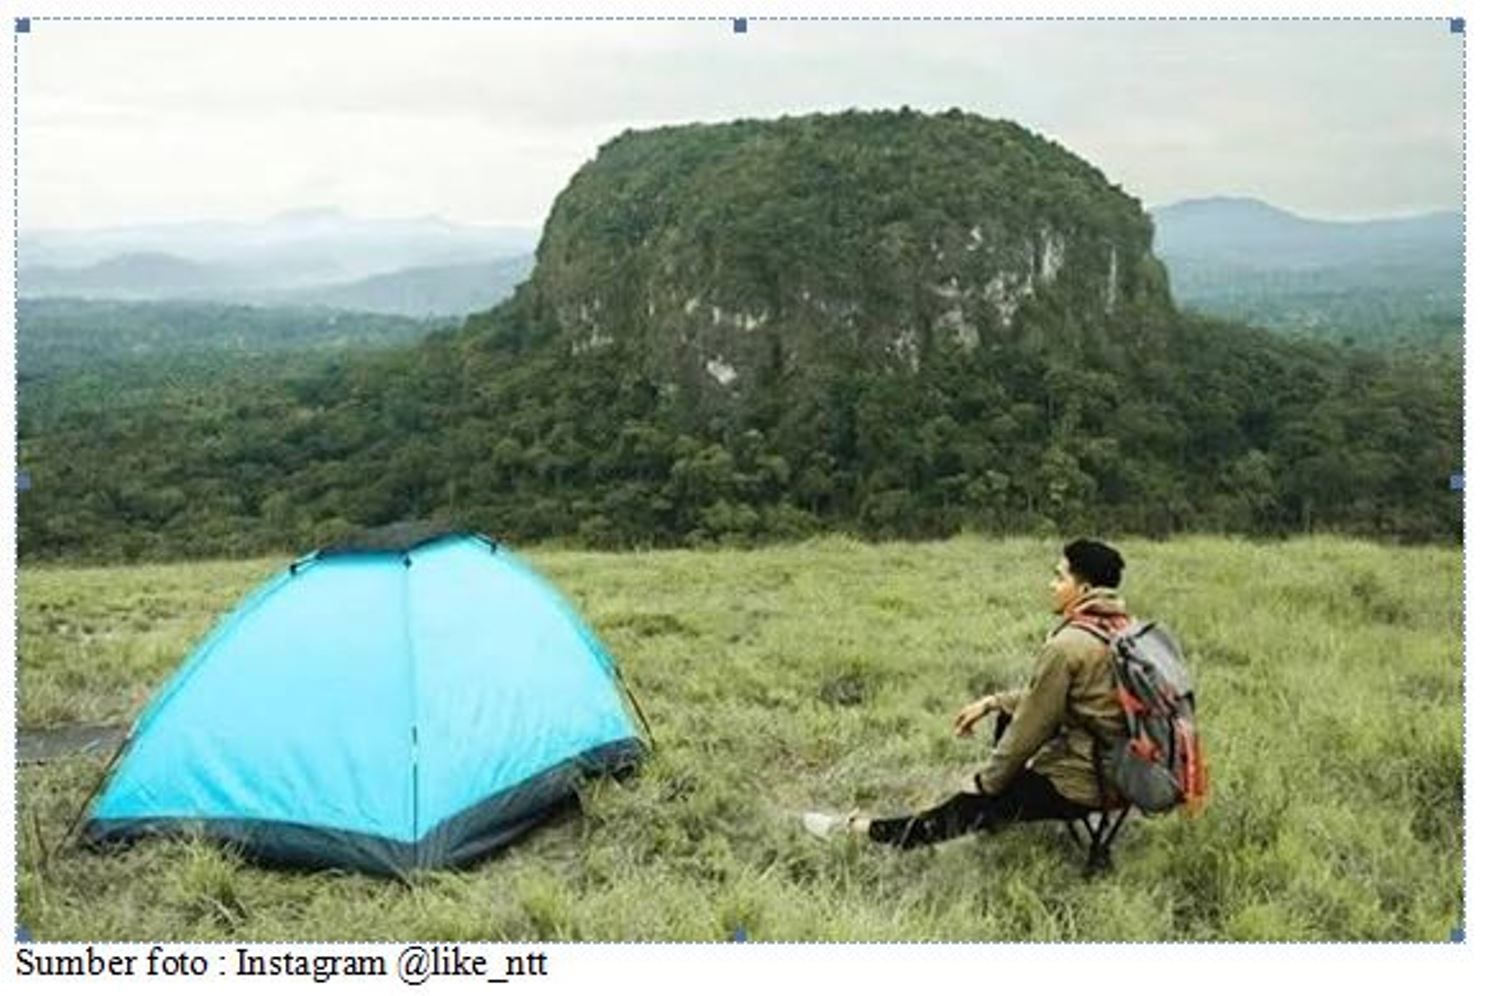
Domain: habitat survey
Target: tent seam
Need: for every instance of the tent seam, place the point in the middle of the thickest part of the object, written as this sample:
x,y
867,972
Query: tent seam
x,y
411,671
206,647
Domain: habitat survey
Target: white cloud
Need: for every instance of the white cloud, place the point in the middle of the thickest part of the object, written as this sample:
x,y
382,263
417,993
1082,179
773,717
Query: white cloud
x,y
486,121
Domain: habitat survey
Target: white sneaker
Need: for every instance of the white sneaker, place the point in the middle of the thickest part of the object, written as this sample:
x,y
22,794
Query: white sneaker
x,y
825,826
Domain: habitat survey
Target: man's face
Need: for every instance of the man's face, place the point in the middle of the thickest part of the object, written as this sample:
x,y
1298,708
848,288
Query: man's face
x,y
1066,589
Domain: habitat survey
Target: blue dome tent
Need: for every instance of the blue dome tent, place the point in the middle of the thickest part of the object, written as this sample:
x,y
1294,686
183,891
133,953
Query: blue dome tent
x,y
411,700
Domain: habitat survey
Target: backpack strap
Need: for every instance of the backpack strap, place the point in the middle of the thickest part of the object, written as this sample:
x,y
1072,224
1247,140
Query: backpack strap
x,y
1088,626
1100,782
1105,634
1097,626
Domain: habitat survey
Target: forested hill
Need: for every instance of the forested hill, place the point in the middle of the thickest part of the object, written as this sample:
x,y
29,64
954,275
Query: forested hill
x,y
891,323
725,253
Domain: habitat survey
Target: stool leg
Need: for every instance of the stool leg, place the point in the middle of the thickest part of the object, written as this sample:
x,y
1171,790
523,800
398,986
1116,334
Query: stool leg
x,y
1102,826
1118,823
1100,861
1102,833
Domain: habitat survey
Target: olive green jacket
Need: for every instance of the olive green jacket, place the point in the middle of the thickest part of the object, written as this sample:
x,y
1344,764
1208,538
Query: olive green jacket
x,y
1071,696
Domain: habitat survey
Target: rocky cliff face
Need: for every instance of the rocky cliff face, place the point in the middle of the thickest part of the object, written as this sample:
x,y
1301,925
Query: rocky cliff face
x,y
726,253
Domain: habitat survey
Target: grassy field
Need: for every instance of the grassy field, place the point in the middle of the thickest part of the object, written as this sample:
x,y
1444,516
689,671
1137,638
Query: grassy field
x,y
825,675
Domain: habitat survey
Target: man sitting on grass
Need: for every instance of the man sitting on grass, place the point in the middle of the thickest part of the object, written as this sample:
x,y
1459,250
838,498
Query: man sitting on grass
x,y
1042,765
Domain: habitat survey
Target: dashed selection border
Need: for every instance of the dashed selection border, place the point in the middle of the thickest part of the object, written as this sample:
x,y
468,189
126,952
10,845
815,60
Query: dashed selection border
x,y
740,26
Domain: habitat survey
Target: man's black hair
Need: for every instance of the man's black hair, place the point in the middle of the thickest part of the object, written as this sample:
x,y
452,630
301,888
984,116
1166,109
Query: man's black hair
x,y
1095,563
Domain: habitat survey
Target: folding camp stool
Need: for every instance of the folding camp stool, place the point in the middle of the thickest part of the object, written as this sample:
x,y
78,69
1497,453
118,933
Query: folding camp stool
x,y
1101,826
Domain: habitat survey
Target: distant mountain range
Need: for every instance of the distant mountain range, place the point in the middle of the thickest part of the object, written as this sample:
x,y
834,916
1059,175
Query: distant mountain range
x,y
420,291
1240,232
1374,282
1379,280
416,267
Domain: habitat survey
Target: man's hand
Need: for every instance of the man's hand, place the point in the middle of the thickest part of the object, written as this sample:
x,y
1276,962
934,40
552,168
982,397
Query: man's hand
x,y
971,714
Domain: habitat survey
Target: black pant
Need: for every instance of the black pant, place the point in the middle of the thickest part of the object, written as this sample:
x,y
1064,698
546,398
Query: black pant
x,y
1028,797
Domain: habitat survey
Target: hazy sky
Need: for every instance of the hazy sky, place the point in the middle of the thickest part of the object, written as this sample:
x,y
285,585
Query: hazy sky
x,y
485,122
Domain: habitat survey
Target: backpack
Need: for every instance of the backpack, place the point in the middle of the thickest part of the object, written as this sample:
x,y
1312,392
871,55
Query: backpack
x,y
1158,764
